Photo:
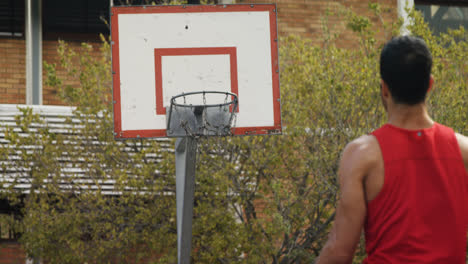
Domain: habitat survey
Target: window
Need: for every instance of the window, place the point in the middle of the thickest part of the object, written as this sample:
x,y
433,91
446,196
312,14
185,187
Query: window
x,y
161,2
8,227
78,18
9,221
11,18
442,15
75,16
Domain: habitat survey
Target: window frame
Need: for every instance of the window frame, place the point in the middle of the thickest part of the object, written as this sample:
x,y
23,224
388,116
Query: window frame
x,y
439,2
12,5
442,4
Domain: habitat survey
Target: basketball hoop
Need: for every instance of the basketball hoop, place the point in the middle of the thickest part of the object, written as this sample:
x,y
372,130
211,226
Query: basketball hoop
x,y
166,99
190,115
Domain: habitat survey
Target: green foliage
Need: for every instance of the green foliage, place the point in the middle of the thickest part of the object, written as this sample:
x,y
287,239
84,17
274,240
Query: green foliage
x,y
259,199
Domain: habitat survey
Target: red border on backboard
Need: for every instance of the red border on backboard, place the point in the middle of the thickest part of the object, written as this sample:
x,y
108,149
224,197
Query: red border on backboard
x,y
115,11
159,53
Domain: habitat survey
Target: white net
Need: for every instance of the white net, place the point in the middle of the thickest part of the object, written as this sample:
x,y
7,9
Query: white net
x,y
192,114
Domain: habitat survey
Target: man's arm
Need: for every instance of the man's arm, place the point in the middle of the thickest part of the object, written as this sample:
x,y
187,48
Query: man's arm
x,y
357,160
463,144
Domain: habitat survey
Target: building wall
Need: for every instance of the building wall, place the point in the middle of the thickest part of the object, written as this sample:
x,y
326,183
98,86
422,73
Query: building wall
x,y
305,17
50,55
12,253
12,71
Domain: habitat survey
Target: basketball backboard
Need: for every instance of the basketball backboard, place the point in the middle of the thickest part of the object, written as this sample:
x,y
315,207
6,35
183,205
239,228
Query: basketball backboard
x,y
162,51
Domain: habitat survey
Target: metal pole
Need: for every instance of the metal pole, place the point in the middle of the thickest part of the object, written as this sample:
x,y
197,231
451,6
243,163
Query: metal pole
x,y
402,6
185,155
33,36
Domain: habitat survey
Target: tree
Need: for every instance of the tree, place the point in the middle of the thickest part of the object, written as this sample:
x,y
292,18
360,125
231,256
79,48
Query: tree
x,y
68,215
260,199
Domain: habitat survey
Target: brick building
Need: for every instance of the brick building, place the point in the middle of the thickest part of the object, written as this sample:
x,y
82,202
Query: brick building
x,y
29,31
79,21
23,44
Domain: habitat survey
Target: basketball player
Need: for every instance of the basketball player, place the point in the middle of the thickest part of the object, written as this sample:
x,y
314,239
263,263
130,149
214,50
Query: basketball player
x,y
406,184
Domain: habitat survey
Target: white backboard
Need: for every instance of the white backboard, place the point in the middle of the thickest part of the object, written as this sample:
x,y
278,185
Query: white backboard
x,y
162,51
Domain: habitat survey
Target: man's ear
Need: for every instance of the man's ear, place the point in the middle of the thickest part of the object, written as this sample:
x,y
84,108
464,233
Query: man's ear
x,y
431,83
384,89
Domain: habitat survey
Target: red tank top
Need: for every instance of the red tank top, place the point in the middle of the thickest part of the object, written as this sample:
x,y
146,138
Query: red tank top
x,y
421,213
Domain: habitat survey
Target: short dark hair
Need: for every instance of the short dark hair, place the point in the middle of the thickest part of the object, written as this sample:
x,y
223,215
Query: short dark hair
x,y
405,66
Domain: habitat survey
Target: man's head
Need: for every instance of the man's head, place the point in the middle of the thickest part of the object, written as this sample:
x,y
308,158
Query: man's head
x,y
405,68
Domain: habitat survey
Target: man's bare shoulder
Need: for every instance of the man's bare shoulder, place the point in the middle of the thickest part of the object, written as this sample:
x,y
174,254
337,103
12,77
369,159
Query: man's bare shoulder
x,y
364,147
362,153
463,144
462,140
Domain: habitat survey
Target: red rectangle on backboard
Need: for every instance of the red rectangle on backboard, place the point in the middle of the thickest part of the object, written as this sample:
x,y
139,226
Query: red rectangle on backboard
x,y
159,53
133,131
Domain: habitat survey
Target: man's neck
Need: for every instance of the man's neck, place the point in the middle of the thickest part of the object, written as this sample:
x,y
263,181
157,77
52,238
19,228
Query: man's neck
x,y
409,117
